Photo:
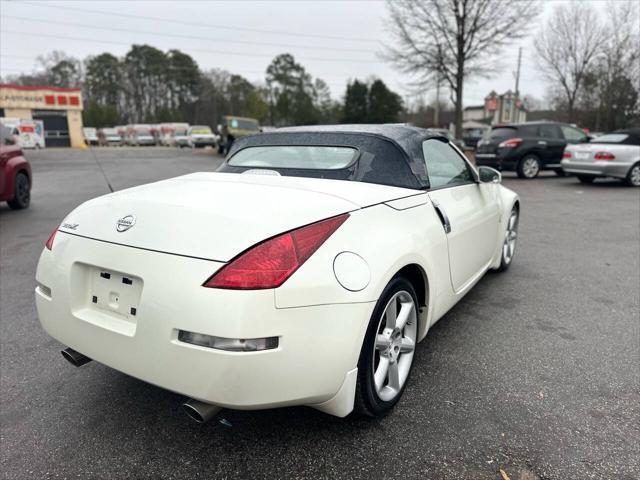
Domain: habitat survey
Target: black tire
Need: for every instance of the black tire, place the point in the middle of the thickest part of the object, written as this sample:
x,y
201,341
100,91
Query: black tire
x,y
367,402
586,178
633,176
523,170
506,261
21,192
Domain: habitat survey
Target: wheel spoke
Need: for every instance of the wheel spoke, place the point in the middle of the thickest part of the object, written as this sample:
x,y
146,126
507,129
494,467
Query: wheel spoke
x,y
391,314
380,374
405,312
407,346
394,376
382,342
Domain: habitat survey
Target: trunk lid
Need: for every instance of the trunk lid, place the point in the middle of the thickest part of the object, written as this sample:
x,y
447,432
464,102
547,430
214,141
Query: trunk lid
x,y
215,216
586,152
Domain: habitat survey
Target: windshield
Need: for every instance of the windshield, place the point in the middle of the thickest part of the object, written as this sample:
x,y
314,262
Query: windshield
x,y
201,131
243,124
179,131
474,132
297,157
503,132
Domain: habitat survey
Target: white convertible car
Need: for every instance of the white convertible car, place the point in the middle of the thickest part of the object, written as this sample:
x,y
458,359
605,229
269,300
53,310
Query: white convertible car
x,y
303,272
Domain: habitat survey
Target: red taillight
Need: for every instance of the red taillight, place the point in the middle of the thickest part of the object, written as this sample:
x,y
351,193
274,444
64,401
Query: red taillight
x,y
604,156
52,237
270,263
566,155
512,142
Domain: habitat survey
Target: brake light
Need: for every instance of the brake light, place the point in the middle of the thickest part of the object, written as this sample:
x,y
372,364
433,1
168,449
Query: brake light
x,y
512,142
604,156
566,155
49,243
270,263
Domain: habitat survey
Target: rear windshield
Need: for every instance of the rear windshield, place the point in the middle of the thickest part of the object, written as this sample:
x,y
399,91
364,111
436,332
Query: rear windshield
x,y
611,138
503,132
295,157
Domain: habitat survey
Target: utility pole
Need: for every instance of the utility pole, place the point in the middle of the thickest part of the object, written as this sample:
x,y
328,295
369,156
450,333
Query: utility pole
x,y
436,113
517,93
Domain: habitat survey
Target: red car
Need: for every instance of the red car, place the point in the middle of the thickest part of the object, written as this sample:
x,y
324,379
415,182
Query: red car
x,y
15,174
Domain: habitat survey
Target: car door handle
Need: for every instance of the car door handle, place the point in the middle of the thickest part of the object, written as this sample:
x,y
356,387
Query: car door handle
x,y
443,217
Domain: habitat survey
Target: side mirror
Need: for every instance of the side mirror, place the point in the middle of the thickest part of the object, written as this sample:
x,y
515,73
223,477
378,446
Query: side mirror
x,y
489,175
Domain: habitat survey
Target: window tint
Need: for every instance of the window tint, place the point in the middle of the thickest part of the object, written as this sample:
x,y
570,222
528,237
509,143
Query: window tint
x,y
503,132
573,134
444,166
549,131
528,131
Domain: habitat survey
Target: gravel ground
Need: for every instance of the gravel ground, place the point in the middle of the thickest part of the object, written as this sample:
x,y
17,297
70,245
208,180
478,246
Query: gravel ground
x,y
536,372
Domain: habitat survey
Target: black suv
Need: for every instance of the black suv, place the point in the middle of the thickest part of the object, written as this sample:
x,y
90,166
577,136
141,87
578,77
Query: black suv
x,y
528,148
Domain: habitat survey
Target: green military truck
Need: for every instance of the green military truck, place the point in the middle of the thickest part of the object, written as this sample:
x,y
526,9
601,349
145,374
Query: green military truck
x,y
235,127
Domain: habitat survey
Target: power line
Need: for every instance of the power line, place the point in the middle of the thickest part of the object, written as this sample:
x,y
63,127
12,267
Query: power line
x,y
188,37
200,24
219,52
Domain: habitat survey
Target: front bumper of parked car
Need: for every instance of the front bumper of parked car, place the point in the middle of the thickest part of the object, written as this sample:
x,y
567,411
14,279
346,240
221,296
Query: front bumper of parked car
x,y
597,168
317,346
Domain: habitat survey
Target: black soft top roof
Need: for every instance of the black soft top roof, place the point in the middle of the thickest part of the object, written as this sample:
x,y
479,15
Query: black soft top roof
x,y
389,154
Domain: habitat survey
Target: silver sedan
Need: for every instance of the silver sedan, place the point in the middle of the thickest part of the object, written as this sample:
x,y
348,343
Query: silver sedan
x,y
614,155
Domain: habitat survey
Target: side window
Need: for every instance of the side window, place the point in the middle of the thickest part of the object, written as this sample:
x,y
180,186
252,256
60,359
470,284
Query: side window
x,y
573,135
549,131
444,165
528,131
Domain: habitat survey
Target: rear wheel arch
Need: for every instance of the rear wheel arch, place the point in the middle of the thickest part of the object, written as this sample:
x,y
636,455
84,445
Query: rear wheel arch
x,y
418,278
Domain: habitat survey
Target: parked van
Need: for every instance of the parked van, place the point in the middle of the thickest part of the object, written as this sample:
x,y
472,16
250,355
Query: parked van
x,y
90,135
180,137
233,128
109,137
29,134
201,136
140,134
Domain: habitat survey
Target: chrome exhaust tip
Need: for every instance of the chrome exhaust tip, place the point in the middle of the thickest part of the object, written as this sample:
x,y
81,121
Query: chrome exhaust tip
x,y
74,358
200,412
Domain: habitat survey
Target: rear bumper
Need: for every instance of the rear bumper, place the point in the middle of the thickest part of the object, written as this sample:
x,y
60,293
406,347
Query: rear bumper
x,y
600,169
318,345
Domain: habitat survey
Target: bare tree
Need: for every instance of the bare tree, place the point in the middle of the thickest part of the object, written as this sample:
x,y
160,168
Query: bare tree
x,y
567,47
452,40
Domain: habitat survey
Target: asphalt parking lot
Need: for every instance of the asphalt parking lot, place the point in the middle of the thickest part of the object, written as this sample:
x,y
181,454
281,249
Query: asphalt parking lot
x,y
536,372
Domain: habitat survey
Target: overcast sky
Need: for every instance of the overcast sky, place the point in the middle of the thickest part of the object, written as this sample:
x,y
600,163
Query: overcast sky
x,y
333,40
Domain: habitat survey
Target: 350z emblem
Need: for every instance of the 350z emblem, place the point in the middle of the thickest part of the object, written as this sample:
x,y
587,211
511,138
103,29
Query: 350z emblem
x,y
125,223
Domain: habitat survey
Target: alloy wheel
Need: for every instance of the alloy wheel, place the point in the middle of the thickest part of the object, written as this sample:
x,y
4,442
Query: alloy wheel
x,y
510,238
530,167
634,176
394,345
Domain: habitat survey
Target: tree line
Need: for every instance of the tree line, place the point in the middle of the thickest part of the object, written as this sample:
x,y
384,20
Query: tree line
x,y
148,85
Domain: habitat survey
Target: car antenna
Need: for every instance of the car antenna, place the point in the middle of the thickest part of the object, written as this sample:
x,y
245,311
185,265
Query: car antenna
x,y
104,175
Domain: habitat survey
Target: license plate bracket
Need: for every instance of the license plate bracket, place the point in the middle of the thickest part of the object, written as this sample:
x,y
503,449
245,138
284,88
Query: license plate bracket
x,y
114,292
